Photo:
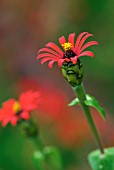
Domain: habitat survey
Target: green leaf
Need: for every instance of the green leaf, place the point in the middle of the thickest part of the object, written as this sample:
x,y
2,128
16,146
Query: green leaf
x,y
38,159
100,161
74,102
53,158
91,101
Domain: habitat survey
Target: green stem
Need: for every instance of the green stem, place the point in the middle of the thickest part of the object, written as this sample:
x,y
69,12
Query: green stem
x,y
38,142
79,90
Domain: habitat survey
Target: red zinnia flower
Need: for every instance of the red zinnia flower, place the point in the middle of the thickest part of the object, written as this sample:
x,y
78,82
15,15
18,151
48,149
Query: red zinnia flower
x,y
14,110
72,52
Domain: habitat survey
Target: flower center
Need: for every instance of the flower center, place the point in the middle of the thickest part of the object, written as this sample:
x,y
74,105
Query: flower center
x,y
16,107
68,54
68,50
67,46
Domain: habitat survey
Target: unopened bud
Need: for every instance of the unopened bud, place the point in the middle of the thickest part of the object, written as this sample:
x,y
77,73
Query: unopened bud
x,y
73,73
28,128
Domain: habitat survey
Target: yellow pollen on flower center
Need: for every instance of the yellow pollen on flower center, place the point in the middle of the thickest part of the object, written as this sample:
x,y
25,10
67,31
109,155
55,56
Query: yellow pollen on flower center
x,y
16,107
67,46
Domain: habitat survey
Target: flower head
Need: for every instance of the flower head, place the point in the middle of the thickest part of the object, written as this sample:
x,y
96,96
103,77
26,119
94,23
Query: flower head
x,y
71,51
13,110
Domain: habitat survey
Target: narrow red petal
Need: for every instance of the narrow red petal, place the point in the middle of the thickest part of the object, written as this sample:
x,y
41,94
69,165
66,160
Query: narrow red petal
x,y
54,47
46,59
60,62
88,44
48,55
74,59
51,63
82,41
78,39
62,40
49,50
87,53
71,38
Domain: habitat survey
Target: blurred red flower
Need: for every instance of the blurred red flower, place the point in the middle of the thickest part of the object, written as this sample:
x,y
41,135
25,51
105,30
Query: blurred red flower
x,y
66,124
53,110
14,110
52,100
71,51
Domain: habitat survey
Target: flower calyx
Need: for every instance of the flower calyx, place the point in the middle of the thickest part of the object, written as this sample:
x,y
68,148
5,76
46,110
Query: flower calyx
x,y
73,73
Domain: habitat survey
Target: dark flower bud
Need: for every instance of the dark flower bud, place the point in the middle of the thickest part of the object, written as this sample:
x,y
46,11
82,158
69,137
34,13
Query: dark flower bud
x,y
73,73
28,128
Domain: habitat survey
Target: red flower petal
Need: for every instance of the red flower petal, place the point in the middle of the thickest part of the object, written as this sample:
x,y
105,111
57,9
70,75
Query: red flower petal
x,y
46,59
8,105
88,44
25,115
74,59
29,100
14,120
5,121
49,50
78,40
60,62
71,38
7,109
55,54
82,41
87,53
62,40
7,113
54,47
51,63
48,55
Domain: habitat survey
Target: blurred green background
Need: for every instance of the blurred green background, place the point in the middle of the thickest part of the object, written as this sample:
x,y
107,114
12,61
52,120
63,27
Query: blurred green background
x,y
25,27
